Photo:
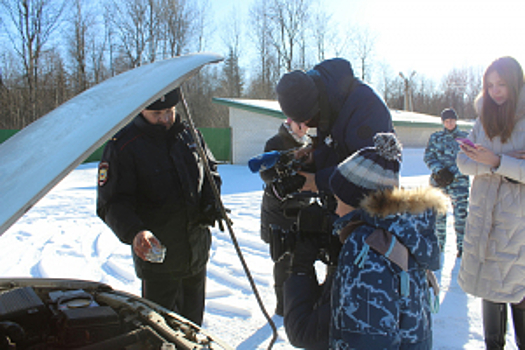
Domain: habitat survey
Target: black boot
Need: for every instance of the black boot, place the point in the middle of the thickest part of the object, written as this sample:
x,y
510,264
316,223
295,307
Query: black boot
x,y
494,324
518,317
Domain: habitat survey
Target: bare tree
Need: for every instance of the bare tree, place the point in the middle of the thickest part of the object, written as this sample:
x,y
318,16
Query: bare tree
x,y
454,87
77,36
97,49
202,24
267,68
136,22
387,83
287,20
426,97
34,21
321,24
363,45
460,88
177,18
232,81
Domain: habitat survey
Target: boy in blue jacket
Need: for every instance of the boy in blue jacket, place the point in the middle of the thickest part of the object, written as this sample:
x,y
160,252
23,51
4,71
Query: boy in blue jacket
x,y
381,295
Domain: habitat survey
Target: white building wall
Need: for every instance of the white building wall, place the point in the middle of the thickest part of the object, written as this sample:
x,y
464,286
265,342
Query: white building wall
x,y
253,122
250,131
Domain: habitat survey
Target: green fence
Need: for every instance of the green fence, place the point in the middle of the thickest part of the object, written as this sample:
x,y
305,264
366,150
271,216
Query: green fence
x,y
218,140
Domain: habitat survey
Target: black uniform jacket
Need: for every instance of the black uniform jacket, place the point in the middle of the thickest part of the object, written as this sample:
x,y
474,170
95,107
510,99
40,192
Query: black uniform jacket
x,y
272,208
153,179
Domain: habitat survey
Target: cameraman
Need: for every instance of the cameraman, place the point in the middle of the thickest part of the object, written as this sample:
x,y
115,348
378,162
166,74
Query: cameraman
x,y
346,112
289,136
306,302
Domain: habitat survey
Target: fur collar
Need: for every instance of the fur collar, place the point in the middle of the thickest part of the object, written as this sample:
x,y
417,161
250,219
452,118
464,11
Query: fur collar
x,y
401,200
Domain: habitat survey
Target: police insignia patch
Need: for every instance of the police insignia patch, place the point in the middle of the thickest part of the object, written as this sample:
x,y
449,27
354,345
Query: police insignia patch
x,y
103,168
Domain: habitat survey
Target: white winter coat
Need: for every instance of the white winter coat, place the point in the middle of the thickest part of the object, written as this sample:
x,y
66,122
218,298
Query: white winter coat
x,y
493,263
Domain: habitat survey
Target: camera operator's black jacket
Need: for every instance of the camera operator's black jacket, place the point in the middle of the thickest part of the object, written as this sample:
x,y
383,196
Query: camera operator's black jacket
x,y
156,181
351,114
271,206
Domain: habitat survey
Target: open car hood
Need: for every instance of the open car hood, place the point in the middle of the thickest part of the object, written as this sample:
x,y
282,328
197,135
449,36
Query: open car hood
x,y
39,313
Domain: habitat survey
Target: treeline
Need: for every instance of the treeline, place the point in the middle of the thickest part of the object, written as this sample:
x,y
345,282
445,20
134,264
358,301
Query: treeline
x,y
51,50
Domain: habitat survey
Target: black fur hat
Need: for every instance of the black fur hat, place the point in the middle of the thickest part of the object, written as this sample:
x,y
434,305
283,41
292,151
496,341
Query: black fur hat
x,y
448,113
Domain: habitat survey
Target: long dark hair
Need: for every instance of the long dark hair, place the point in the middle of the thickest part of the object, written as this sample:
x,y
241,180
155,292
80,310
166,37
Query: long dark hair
x,y
500,120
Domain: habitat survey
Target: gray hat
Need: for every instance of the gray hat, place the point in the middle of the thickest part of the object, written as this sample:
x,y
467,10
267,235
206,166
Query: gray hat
x,y
167,101
367,170
298,96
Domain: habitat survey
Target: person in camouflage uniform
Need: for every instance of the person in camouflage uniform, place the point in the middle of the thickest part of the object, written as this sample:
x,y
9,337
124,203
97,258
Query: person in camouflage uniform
x,y
440,157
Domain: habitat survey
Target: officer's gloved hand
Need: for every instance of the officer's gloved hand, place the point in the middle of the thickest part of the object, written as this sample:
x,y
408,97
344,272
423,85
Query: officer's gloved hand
x,y
444,177
304,255
211,214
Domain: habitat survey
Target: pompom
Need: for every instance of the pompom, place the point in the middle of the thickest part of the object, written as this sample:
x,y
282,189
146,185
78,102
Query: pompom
x,y
387,146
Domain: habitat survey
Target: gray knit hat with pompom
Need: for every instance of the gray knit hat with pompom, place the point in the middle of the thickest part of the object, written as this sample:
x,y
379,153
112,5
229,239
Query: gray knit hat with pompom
x,y
367,170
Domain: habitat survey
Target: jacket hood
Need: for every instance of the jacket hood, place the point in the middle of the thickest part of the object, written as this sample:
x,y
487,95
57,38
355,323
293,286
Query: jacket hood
x,y
338,77
409,214
397,208
401,200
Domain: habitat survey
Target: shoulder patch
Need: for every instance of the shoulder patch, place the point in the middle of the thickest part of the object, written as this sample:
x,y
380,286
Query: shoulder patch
x,y
103,169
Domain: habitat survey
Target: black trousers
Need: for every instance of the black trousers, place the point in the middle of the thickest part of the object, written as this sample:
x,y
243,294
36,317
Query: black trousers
x,y
495,324
281,271
184,296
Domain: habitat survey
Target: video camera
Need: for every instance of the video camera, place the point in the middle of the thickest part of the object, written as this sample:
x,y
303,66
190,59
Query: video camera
x,y
280,168
313,221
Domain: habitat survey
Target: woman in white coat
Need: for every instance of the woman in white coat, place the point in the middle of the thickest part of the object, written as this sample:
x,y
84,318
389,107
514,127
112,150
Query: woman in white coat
x,y
493,264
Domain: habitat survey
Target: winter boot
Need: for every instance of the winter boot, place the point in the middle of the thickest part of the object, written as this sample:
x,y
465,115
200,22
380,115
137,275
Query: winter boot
x,y
494,324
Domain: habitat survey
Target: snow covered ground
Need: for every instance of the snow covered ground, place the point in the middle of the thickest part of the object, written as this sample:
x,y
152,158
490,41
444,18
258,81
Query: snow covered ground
x,y
62,237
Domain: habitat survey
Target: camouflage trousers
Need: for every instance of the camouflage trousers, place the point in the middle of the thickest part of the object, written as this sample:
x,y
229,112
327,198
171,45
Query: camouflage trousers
x,y
458,192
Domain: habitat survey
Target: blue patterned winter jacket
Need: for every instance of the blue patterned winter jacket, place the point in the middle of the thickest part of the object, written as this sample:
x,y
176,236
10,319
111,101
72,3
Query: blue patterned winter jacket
x,y
374,304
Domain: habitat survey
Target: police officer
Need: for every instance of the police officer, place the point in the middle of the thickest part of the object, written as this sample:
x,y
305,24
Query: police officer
x,y
153,193
440,157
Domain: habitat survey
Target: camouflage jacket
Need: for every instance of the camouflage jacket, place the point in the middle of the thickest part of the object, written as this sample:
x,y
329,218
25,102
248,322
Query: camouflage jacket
x,y
375,303
441,152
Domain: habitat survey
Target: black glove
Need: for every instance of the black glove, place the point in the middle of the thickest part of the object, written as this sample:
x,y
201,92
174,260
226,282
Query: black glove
x,y
211,214
288,185
443,178
304,255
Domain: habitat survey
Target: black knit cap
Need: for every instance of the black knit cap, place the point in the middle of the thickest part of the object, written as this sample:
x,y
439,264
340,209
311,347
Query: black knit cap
x,y
298,96
368,170
167,101
448,113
